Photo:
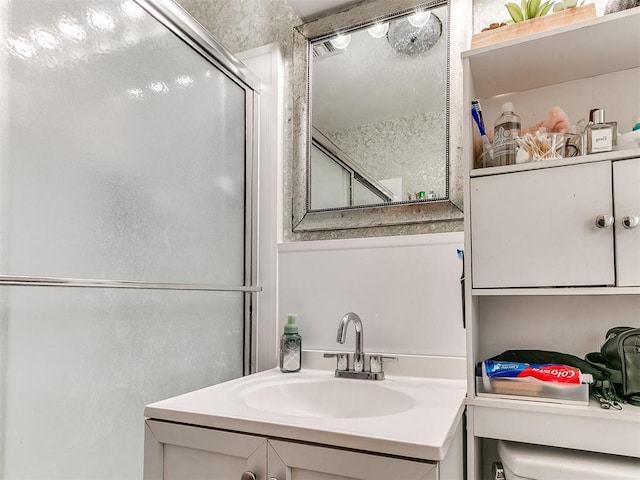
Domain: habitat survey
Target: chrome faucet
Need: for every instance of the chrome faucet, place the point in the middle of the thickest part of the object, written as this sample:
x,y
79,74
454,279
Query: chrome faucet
x,y
359,370
342,336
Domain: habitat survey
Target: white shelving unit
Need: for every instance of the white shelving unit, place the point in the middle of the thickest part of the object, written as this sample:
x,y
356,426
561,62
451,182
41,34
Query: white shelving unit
x,y
592,428
568,318
604,45
561,162
564,291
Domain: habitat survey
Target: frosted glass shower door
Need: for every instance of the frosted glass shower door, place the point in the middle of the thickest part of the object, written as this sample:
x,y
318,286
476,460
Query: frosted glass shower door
x,y
125,171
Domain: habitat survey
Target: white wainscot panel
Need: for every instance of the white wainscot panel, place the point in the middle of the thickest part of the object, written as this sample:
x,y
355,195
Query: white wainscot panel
x,y
406,290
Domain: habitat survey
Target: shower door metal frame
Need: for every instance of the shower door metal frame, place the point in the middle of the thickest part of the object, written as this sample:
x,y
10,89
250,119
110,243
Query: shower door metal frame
x,y
180,23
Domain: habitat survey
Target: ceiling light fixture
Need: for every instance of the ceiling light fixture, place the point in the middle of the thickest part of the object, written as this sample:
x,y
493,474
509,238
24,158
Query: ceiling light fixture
x,y
420,18
341,41
379,30
406,39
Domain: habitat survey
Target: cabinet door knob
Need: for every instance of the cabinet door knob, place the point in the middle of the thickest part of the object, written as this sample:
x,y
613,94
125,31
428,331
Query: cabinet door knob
x,y
604,221
630,221
248,476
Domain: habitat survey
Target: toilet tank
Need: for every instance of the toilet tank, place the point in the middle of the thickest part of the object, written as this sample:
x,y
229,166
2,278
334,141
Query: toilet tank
x,y
523,461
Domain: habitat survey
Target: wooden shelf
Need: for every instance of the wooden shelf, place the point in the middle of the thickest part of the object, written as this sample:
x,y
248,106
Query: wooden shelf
x,y
544,23
607,44
569,426
560,162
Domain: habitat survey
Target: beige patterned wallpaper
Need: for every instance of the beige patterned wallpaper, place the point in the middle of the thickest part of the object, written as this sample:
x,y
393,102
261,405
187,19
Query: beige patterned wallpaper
x,y
245,24
393,148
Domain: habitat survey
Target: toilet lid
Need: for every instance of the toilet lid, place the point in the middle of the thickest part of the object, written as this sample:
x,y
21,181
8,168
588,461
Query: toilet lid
x,y
546,463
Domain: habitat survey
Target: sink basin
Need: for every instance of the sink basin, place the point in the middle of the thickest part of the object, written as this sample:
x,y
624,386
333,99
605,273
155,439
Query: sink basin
x,y
406,416
324,397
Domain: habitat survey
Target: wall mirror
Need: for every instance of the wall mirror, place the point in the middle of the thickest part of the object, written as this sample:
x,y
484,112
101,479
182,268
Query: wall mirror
x,y
371,118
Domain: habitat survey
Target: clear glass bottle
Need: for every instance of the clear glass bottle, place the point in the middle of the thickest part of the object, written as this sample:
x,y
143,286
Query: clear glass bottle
x,y
290,346
507,129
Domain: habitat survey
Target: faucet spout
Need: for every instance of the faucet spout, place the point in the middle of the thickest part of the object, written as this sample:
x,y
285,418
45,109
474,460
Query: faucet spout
x,y
342,330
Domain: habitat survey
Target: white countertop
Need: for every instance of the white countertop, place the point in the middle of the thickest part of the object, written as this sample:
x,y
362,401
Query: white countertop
x,y
424,430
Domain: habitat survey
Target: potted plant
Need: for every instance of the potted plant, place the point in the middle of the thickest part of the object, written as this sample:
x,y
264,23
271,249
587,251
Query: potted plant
x,y
534,16
528,9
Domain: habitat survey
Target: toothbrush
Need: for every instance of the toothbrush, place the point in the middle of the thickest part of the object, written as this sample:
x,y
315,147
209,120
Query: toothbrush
x,y
476,113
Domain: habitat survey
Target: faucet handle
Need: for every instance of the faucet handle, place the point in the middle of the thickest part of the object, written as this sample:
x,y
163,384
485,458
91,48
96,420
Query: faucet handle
x,y
375,362
358,362
342,360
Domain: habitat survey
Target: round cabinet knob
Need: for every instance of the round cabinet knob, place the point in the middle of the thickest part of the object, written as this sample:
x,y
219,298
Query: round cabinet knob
x,y
248,476
630,221
604,221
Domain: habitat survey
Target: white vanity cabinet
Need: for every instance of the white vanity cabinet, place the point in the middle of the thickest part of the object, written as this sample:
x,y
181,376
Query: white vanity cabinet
x,y
297,461
543,274
402,428
555,227
175,451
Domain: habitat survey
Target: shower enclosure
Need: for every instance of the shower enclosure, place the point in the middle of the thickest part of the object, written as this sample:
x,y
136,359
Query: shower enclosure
x,y
127,238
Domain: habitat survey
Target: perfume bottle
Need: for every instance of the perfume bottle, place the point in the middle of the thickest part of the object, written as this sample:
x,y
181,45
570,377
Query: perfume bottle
x,y
602,136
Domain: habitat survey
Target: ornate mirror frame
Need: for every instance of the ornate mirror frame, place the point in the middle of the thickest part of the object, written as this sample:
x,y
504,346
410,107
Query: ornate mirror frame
x,y
429,216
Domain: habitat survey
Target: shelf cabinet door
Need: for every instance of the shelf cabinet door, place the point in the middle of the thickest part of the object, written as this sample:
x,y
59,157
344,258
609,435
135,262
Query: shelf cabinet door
x,y
537,228
175,451
626,189
296,461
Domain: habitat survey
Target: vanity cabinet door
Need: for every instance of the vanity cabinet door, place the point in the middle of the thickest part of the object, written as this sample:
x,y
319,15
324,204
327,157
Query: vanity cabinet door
x,y
537,228
295,461
174,451
626,188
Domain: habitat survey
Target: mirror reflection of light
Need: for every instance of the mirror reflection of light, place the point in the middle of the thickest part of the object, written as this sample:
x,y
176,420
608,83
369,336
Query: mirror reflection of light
x,y
70,29
379,30
420,18
44,38
20,47
132,10
207,74
158,87
135,93
341,41
184,81
101,20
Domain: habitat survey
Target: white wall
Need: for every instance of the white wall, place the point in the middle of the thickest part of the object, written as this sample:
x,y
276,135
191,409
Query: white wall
x,y
534,105
406,289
